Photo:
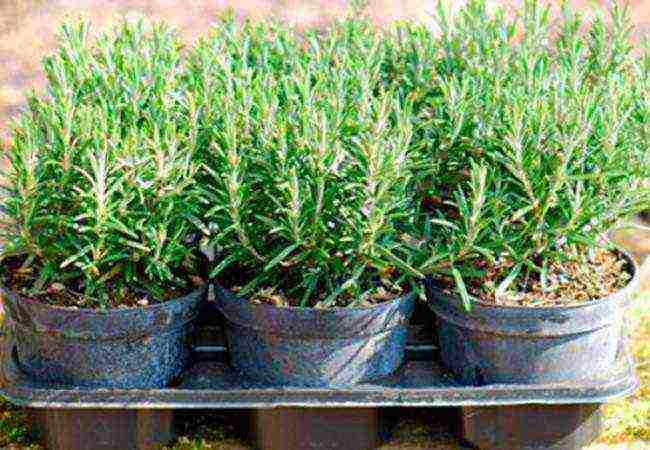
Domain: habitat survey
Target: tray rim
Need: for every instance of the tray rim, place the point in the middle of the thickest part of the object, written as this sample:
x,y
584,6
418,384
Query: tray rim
x,y
287,397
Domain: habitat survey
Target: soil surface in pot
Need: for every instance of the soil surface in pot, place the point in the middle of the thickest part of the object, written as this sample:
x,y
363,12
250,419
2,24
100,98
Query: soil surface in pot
x,y
69,292
586,276
379,288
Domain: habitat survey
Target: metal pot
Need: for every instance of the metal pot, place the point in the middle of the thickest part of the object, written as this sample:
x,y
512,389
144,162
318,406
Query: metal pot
x,y
314,347
143,347
503,344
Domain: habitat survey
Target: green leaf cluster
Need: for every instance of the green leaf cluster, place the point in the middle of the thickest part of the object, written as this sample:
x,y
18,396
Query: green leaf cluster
x,y
538,131
100,176
332,166
305,150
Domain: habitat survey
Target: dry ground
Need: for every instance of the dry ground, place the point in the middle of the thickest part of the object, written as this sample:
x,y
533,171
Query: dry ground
x,y
27,33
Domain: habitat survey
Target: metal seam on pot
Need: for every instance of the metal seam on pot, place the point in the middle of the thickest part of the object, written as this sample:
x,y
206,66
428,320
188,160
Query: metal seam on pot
x,y
57,321
450,314
107,338
530,334
230,295
401,323
317,336
224,296
124,312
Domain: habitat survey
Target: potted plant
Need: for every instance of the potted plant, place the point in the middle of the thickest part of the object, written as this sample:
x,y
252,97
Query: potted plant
x,y
306,179
542,144
100,280
642,97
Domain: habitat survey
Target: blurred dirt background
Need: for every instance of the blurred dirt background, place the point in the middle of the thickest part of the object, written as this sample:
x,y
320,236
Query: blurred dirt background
x,y
27,33
28,27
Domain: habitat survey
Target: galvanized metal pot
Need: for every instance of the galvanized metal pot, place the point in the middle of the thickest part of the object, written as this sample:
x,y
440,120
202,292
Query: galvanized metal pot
x,y
314,347
144,347
501,344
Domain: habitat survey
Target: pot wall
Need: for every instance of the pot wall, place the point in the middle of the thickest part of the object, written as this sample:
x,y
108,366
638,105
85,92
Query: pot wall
x,y
314,347
494,344
142,347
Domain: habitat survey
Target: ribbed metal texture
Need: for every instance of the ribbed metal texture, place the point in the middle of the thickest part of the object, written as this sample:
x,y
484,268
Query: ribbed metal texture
x,y
497,344
144,347
314,347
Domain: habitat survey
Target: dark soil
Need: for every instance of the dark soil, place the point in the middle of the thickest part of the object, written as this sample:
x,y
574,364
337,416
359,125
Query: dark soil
x,y
645,216
285,290
379,294
584,276
68,292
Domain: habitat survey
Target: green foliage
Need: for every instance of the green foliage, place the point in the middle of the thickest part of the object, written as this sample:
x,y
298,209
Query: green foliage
x,y
540,141
333,166
14,425
306,161
100,171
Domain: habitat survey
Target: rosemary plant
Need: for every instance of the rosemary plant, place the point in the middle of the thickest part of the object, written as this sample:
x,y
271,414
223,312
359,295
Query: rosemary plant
x,y
99,181
544,139
307,164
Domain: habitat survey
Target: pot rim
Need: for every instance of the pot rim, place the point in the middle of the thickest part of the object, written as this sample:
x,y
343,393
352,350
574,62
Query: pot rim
x,y
4,291
308,323
300,309
613,297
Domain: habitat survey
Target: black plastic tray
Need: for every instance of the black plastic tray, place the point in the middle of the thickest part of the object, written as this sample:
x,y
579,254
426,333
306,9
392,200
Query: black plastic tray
x,y
489,416
211,384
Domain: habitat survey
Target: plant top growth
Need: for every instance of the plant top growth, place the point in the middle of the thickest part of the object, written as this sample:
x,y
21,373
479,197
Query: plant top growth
x,y
98,186
540,139
307,166
336,166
